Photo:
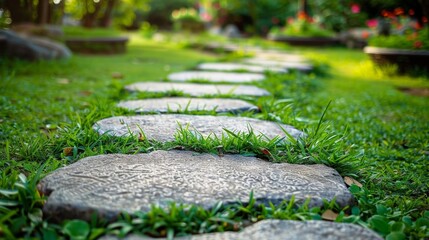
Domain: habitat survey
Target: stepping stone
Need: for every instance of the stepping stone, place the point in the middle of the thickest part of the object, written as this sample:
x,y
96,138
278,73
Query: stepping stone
x,y
114,183
283,229
165,105
301,66
296,230
226,47
197,90
163,127
216,76
238,67
280,56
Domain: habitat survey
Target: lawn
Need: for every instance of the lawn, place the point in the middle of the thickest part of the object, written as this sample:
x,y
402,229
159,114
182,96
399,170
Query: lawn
x,y
357,120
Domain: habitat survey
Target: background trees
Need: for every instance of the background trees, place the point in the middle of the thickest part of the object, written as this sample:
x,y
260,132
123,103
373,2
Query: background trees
x,y
251,16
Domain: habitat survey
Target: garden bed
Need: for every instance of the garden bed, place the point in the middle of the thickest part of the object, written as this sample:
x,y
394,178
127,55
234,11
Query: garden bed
x,y
97,45
306,41
406,60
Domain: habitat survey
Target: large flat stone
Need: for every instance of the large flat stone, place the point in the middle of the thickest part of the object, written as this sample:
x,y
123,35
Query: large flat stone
x,y
215,76
163,127
197,89
239,67
165,105
301,66
284,229
110,184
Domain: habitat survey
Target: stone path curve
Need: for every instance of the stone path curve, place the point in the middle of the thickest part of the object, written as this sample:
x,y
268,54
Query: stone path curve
x,y
110,184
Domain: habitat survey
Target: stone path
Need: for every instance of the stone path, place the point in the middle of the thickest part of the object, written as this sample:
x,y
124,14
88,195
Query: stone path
x,y
301,66
169,105
239,67
162,128
197,90
115,183
110,184
216,76
284,229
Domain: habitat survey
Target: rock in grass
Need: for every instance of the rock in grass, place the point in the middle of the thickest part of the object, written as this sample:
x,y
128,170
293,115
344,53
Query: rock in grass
x,y
163,127
284,229
31,48
110,184
196,90
216,76
239,67
165,105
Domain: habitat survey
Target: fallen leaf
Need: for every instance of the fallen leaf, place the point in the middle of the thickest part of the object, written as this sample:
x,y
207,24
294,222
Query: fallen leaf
x,y
141,137
68,151
265,151
329,215
85,93
349,181
117,75
63,81
220,151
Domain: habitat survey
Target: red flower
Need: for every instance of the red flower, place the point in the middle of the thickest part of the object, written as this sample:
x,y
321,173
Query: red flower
x,y
418,26
411,12
302,15
399,11
355,8
424,19
387,14
365,34
418,44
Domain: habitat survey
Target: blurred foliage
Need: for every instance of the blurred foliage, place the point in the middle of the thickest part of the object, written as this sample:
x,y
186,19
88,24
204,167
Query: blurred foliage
x,y
159,13
302,28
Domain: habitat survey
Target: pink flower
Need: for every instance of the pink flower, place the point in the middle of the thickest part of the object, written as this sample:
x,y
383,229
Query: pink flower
x,y
206,17
355,8
372,23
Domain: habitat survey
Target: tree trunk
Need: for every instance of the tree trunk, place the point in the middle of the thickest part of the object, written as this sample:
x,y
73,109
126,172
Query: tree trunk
x,y
303,7
20,11
425,7
43,12
253,14
89,18
107,15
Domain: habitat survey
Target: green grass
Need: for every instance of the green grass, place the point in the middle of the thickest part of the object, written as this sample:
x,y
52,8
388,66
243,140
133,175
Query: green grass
x,y
71,31
370,131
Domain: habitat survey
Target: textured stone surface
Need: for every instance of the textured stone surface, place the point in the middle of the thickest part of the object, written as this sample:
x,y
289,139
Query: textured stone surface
x,y
113,183
164,105
288,65
238,67
163,127
215,76
197,89
285,229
